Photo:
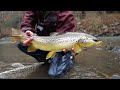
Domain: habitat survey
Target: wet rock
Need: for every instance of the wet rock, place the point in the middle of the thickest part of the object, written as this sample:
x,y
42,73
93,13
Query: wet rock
x,y
99,49
112,28
89,75
118,28
2,64
85,30
105,27
108,67
17,65
106,31
97,35
116,49
78,23
80,72
115,77
116,23
5,39
92,33
109,47
76,77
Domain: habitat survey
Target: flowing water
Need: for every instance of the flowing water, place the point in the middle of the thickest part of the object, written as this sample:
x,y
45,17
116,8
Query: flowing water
x,y
97,62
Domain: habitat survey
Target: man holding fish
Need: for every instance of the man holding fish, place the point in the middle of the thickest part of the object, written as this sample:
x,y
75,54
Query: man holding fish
x,y
43,23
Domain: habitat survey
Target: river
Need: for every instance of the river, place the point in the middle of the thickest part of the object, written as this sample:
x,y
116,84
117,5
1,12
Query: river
x,y
96,62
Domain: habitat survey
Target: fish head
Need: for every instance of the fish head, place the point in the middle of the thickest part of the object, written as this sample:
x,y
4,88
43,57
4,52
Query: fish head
x,y
90,42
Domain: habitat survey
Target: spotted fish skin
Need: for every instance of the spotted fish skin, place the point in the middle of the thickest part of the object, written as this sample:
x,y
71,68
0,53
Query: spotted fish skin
x,y
59,42
56,43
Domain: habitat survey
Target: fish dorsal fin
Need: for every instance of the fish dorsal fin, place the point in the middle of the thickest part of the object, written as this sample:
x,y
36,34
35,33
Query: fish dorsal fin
x,y
56,33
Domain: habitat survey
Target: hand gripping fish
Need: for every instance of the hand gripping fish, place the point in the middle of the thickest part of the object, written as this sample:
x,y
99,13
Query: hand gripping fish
x,y
57,42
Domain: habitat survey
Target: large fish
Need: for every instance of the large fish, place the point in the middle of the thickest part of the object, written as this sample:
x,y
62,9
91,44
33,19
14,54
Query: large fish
x,y
57,42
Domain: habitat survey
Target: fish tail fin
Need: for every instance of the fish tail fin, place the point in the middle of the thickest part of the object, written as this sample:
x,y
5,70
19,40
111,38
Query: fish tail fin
x,y
16,32
15,35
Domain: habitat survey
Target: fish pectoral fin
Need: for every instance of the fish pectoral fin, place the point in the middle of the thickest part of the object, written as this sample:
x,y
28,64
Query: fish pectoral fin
x,y
50,55
31,48
77,48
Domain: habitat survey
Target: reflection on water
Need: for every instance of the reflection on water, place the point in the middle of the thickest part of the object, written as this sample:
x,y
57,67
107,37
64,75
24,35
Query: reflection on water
x,y
41,73
93,59
100,60
9,53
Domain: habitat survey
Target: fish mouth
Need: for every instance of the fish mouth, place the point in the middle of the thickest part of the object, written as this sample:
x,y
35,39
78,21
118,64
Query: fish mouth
x,y
99,43
92,44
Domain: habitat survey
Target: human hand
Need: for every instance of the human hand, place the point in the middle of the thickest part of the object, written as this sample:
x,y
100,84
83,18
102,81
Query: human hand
x,y
28,33
26,42
72,50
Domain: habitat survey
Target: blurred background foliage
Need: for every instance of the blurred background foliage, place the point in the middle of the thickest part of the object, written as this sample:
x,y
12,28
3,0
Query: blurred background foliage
x,y
93,22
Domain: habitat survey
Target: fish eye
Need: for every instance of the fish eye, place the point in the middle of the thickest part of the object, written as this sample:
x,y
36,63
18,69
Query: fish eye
x,y
76,41
82,42
96,40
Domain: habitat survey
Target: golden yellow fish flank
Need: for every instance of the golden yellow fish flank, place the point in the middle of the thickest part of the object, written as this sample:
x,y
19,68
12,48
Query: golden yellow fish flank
x,y
57,42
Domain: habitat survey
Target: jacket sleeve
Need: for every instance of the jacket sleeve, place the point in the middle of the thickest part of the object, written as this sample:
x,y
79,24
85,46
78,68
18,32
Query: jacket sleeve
x,y
66,22
29,21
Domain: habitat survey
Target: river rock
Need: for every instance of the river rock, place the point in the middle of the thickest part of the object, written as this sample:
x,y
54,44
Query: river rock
x,y
116,23
99,48
16,65
105,27
78,23
115,77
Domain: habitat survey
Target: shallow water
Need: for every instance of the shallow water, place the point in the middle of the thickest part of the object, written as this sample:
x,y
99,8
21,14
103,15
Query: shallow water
x,y
88,63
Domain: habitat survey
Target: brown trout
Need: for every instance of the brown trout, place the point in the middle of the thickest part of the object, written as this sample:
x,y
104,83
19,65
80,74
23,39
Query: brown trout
x,y
57,42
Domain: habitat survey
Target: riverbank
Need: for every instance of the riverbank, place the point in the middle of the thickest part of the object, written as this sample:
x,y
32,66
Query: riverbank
x,y
100,25
94,24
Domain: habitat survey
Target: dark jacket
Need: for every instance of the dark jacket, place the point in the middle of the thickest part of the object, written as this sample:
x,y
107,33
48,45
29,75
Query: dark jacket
x,y
65,22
